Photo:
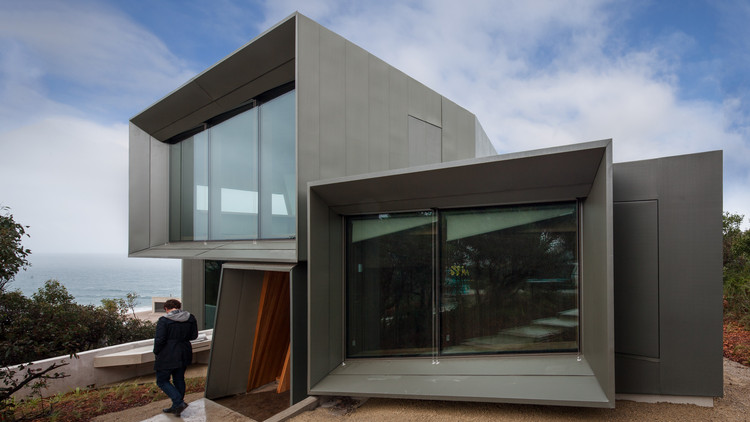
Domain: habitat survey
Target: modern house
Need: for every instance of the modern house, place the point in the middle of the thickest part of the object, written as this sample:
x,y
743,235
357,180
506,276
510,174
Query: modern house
x,y
344,227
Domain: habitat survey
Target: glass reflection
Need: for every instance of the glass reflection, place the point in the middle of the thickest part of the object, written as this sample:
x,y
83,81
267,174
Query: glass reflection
x,y
510,280
389,284
237,179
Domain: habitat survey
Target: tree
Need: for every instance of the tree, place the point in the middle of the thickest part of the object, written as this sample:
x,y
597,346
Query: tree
x,y
12,253
736,249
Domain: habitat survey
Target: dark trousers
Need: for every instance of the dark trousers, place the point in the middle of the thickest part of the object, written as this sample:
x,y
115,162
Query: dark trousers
x,y
176,389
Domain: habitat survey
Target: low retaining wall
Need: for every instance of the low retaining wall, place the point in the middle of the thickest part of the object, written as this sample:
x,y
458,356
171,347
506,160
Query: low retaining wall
x,y
82,373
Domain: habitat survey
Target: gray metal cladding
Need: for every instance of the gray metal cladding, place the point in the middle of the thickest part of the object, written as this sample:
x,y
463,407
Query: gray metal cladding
x,y
139,189
159,192
636,234
688,190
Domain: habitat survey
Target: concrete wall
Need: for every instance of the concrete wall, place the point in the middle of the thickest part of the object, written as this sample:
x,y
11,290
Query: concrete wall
x,y
83,374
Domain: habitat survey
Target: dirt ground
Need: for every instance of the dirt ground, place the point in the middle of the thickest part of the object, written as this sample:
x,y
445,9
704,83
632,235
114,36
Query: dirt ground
x,y
257,406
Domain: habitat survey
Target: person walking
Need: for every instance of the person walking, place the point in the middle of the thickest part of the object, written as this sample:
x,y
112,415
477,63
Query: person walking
x,y
174,352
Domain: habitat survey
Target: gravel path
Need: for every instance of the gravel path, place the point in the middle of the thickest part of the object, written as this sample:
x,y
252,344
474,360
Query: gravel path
x,y
734,406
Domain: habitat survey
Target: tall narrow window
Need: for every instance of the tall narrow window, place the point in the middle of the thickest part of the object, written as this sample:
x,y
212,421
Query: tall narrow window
x,y
389,285
277,173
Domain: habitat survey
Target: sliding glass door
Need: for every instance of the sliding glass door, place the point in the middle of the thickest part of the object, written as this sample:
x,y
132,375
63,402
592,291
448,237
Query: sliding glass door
x,y
463,282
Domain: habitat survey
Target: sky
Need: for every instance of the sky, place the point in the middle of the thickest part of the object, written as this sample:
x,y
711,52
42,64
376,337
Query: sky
x,y
660,78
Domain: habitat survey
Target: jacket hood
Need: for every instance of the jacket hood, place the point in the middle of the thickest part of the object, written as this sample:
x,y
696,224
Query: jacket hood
x,y
178,315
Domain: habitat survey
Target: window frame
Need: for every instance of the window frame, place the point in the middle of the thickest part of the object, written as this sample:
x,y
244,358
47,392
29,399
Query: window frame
x,y
178,233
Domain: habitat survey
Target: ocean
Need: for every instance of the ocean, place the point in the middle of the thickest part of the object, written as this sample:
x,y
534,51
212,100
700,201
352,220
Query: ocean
x,y
91,278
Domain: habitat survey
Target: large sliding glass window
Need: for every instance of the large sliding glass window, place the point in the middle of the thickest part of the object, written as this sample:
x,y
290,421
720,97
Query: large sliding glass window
x,y
237,179
463,282
390,264
509,280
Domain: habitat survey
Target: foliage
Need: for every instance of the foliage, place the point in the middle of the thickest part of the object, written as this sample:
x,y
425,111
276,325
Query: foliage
x,y
34,378
51,324
12,254
84,405
736,249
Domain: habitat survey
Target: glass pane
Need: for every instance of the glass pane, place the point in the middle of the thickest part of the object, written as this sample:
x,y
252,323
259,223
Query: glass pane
x,y
389,284
233,189
509,280
198,202
212,276
277,168
175,181
188,193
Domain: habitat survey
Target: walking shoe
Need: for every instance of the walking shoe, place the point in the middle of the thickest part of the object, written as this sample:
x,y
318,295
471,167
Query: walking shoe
x,y
179,408
168,410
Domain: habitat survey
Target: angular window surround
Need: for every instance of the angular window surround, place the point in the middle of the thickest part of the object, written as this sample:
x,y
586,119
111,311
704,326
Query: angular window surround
x,y
578,172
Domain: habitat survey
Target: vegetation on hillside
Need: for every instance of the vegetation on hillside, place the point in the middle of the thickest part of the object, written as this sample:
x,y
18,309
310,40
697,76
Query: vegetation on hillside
x,y
736,248
50,323
13,256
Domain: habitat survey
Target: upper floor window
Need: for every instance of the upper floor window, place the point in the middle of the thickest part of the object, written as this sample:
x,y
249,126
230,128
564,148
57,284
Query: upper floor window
x,y
236,179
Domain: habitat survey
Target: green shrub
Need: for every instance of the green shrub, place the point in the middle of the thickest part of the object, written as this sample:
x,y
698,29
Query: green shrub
x,y
50,324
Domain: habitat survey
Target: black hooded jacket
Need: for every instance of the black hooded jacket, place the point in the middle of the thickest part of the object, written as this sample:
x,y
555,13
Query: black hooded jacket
x,y
172,341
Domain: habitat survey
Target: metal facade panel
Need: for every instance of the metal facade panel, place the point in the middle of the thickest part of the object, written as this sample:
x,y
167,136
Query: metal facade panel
x,y
193,293
308,120
172,108
581,391
398,110
424,143
332,105
459,137
259,57
138,193
451,131
424,103
378,100
483,146
336,291
262,55
689,192
159,194
319,276
298,345
690,255
234,331
357,113
596,278
636,237
280,75
466,145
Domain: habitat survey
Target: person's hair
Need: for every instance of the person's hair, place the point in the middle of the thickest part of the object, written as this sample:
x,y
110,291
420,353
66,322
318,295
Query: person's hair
x,y
172,304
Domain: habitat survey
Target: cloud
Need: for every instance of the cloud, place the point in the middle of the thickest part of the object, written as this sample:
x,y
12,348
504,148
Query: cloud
x,y
547,73
81,52
67,179
68,70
